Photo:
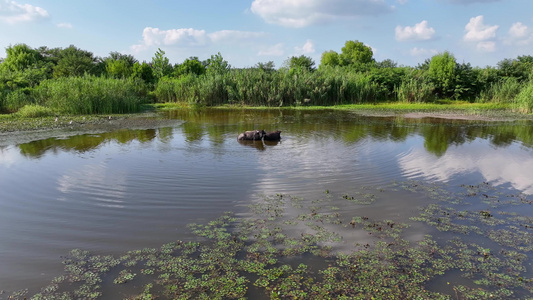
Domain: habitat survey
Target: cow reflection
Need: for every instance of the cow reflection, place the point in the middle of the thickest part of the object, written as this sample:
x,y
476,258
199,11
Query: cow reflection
x,y
251,143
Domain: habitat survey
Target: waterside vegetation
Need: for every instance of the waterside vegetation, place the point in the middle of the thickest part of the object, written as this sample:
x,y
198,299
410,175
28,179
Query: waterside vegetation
x,y
73,81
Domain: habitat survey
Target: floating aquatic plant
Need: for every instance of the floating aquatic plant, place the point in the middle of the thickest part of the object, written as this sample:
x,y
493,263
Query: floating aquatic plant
x,y
276,252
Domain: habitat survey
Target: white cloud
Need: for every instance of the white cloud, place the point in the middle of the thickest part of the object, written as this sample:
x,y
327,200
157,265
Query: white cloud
x,y
483,35
12,12
302,13
519,35
486,46
477,31
518,30
307,48
182,36
422,52
64,25
234,35
190,37
276,50
419,32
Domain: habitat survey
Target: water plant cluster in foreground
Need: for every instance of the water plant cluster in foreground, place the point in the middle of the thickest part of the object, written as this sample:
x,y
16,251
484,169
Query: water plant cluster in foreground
x,y
475,245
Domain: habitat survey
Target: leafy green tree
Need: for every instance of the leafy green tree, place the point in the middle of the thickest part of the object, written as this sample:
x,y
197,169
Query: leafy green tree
x,y
217,65
442,72
129,59
118,68
424,66
355,53
519,68
50,56
23,67
268,66
330,58
486,77
21,57
143,71
160,64
466,83
75,62
387,63
302,62
387,79
119,65
191,65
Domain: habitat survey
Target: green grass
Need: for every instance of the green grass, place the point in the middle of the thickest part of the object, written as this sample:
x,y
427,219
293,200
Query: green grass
x,y
443,105
35,111
452,106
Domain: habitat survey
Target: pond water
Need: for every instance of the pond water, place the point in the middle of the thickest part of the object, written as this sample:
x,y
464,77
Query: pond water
x,y
111,192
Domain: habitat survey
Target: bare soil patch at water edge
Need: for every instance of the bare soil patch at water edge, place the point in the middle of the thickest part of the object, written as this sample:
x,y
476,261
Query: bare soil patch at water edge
x,y
26,130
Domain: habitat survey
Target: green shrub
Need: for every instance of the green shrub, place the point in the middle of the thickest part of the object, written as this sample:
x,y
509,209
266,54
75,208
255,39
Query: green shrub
x,y
35,111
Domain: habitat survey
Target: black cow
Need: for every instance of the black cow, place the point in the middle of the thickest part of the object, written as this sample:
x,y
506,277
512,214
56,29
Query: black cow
x,y
272,136
252,135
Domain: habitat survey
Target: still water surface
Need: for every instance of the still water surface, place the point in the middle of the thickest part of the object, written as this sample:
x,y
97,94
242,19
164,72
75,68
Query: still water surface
x,y
115,191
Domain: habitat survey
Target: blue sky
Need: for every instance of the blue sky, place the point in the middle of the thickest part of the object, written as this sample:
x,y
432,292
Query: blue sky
x,y
245,32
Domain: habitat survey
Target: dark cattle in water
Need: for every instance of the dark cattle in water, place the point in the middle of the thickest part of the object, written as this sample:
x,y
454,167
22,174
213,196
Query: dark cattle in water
x,y
273,136
252,135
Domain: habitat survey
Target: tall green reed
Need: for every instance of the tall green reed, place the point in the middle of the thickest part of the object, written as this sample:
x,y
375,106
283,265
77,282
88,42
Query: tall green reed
x,y
523,102
258,87
12,101
415,87
502,91
91,95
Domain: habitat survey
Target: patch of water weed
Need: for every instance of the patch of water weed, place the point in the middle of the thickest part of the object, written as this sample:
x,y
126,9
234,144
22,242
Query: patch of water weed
x,y
275,252
433,191
379,228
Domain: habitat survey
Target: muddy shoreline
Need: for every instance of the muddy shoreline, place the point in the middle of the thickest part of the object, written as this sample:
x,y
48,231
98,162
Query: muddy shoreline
x,y
69,126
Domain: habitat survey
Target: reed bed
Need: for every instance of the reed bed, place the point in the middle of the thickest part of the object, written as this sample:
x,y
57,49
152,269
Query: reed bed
x,y
90,95
502,91
326,86
524,100
256,87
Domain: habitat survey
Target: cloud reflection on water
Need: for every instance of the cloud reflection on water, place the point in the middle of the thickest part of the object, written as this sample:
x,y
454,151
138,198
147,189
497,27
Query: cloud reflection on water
x,y
95,183
9,157
513,166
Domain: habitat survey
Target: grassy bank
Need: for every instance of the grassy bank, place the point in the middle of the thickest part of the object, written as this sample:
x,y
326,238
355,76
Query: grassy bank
x,y
328,87
121,84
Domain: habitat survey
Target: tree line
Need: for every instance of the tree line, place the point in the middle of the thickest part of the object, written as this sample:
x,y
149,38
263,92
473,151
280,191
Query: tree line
x,y
71,80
